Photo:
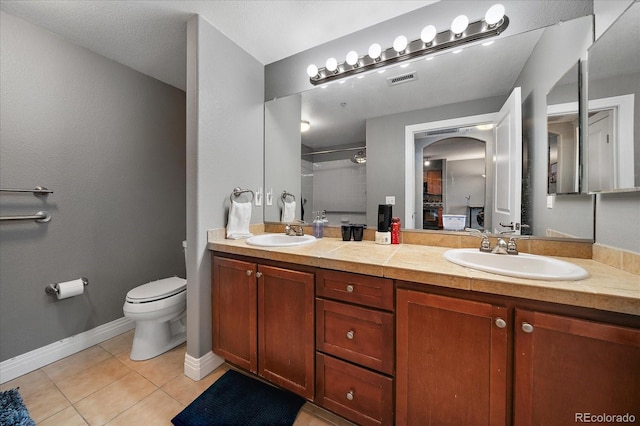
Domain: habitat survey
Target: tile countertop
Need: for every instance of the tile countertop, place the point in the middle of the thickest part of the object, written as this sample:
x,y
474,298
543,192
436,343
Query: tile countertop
x,y
607,288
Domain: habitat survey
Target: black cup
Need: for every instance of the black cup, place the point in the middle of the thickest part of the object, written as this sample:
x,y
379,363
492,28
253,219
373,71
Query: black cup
x,y
346,232
358,232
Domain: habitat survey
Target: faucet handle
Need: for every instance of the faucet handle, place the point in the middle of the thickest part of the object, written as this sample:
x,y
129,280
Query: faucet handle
x,y
485,245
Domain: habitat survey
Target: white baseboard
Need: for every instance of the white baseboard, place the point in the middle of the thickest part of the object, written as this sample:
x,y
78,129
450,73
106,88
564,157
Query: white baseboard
x,y
38,358
198,368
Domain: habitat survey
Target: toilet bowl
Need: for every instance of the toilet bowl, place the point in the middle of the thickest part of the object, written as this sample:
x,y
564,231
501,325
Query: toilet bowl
x,y
158,309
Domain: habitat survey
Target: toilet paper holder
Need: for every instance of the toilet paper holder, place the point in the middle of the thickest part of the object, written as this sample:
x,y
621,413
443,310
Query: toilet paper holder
x,y
53,288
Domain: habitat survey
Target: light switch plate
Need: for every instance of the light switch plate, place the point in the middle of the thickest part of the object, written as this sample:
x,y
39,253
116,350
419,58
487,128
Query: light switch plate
x,y
391,199
550,200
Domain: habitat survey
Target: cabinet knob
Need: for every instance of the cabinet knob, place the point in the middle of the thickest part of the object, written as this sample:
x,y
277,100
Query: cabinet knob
x,y
349,288
249,272
500,323
350,334
350,395
527,328
258,274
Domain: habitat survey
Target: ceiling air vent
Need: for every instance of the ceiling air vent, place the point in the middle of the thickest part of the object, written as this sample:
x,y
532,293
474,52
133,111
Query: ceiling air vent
x,y
403,78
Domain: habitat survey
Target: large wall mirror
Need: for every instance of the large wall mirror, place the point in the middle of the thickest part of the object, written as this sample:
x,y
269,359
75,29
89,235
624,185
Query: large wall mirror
x,y
354,126
613,142
563,135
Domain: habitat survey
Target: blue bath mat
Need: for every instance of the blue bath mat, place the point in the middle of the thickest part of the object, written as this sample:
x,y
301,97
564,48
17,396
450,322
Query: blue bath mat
x,y
12,410
236,399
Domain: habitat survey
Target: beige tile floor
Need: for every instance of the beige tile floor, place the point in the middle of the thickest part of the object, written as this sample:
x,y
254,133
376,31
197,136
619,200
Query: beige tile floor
x,y
102,386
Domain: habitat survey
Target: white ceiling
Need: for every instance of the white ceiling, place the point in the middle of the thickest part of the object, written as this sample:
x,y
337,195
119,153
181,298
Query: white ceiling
x,y
150,35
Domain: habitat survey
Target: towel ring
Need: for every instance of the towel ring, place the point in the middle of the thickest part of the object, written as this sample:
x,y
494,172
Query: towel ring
x,y
286,194
237,191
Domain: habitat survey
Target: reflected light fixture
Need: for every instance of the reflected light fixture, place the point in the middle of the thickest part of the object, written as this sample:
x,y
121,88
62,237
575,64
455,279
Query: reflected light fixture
x,y
304,126
359,158
487,126
461,32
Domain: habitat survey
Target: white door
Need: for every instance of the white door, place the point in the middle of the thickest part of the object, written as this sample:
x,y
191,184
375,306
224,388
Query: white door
x,y
508,165
601,166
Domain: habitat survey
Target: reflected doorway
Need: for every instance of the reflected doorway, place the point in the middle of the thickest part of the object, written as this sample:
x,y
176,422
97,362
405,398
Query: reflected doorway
x,y
453,174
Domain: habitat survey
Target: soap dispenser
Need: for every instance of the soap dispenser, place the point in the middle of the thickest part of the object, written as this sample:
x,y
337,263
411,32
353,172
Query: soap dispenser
x,y
318,226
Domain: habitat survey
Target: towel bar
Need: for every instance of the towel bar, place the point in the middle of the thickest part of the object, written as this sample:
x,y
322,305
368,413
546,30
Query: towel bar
x,y
238,191
40,217
38,191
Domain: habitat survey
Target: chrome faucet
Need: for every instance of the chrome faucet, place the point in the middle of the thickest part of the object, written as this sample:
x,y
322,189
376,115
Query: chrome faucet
x,y
291,230
501,247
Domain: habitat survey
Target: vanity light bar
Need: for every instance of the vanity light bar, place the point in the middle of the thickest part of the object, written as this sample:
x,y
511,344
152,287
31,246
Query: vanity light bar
x,y
477,30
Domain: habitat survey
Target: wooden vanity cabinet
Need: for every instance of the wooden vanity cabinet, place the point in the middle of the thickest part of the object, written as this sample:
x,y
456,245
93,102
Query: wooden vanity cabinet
x,y
568,368
451,361
494,360
263,321
355,361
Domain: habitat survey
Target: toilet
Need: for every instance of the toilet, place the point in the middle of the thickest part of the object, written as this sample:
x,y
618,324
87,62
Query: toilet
x,y
158,309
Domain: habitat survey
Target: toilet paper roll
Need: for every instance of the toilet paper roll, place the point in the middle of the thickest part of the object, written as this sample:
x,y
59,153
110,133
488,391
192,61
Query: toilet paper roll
x,y
70,288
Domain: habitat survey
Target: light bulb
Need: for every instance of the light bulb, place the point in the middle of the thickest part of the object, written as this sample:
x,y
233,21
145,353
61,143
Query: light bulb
x,y
428,34
459,24
352,58
400,43
312,71
494,14
304,126
375,50
332,64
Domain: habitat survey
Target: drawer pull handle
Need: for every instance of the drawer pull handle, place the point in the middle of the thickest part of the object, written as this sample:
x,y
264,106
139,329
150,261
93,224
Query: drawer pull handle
x,y
527,328
349,288
500,323
258,274
351,334
249,272
350,395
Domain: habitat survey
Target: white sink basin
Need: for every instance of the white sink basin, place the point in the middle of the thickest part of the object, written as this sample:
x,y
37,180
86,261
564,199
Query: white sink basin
x,y
522,265
280,240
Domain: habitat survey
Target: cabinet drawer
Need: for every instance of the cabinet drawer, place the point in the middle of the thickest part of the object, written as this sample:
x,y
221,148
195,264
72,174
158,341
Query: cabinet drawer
x,y
354,288
358,394
364,336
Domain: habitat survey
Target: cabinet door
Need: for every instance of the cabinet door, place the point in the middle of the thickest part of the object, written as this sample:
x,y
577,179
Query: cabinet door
x,y
233,312
567,369
286,329
451,361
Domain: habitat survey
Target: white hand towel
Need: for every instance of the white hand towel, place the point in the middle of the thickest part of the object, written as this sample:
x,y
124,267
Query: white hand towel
x,y
239,218
289,212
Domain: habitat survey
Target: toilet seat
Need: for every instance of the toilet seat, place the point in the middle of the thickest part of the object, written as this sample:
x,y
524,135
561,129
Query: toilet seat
x,y
157,290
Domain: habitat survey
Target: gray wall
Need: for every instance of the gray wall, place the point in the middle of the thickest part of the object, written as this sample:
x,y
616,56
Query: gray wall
x,y
225,118
559,49
110,142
